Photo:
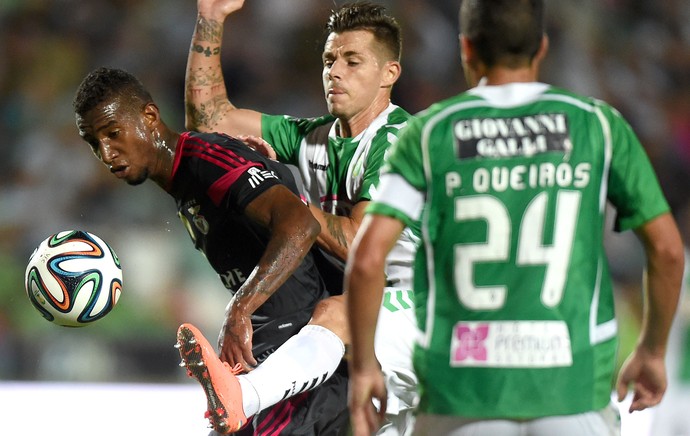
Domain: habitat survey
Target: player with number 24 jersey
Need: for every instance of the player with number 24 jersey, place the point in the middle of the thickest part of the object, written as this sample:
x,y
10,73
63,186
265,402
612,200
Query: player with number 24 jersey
x,y
526,169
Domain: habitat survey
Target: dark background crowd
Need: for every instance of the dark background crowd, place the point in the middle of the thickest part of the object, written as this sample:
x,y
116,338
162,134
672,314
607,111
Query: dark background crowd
x,y
635,54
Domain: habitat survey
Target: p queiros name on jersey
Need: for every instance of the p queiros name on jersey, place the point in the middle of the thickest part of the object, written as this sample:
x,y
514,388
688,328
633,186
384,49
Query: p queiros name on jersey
x,y
499,138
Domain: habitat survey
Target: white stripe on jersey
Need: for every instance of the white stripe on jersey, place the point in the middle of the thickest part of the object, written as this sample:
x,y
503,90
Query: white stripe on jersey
x,y
599,333
396,192
602,332
606,129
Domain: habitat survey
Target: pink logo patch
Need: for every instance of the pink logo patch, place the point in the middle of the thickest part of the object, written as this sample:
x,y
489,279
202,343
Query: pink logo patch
x,y
470,342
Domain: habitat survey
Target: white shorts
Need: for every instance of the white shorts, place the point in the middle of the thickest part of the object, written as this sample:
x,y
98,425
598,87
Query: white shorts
x,y
395,335
604,422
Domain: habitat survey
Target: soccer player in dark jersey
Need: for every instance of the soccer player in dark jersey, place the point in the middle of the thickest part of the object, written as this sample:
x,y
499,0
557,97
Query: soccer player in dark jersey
x,y
243,212
338,156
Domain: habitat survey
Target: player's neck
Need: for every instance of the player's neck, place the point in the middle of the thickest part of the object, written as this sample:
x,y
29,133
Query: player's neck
x,y
166,143
501,76
354,125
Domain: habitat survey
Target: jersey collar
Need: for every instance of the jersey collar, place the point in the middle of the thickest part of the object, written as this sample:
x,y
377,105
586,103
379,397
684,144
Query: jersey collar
x,y
510,94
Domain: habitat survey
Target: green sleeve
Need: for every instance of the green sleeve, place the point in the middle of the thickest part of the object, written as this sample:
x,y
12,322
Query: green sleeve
x,y
284,135
633,187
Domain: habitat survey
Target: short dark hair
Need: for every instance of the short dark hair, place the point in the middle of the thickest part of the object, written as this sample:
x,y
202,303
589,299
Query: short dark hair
x,y
371,17
103,84
506,32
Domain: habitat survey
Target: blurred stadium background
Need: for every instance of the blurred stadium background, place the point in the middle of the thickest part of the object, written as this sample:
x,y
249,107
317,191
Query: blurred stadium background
x,y
634,54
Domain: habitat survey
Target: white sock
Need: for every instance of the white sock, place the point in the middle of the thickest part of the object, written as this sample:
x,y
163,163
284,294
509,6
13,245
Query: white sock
x,y
303,362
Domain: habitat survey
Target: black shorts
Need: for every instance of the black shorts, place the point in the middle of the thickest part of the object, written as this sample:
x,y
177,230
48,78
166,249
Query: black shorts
x,y
320,412
287,301
271,334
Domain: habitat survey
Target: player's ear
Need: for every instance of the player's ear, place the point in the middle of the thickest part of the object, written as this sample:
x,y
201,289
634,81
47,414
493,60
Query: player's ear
x,y
467,52
391,73
535,64
151,114
543,49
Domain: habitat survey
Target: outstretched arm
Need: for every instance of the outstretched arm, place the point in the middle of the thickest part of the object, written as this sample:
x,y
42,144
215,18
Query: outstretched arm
x,y
646,365
293,232
364,283
207,107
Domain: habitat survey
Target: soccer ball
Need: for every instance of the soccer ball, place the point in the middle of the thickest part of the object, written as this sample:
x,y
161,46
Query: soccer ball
x,y
73,278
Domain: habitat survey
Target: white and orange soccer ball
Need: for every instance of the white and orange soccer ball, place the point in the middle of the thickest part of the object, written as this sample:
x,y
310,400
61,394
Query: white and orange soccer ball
x,y
73,278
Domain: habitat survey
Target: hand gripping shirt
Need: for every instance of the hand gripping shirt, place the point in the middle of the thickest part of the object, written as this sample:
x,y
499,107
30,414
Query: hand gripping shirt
x,y
512,287
214,178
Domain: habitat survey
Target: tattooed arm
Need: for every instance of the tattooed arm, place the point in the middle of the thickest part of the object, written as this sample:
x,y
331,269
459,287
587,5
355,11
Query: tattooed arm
x,y
337,232
207,107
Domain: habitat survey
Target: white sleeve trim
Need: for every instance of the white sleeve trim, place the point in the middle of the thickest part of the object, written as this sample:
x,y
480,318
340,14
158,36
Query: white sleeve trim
x,y
396,192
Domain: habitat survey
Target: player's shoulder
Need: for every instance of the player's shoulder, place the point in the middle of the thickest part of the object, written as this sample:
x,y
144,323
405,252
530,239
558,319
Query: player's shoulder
x,y
596,109
204,142
307,125
397,116
206,139
215,147
390,123
456,102
441,111
587,102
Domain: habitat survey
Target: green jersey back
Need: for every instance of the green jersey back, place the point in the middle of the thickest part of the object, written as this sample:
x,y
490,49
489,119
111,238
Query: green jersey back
x,y
513,293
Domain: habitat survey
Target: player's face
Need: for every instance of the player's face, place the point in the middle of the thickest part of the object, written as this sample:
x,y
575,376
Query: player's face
x,y
119,137
353,71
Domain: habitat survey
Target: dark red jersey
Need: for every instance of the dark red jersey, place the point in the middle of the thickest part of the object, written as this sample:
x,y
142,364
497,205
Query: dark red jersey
x,y
215,177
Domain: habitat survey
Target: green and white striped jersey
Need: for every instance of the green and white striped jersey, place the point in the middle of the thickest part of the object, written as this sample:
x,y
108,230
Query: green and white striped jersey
x,y
512,287
338,172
